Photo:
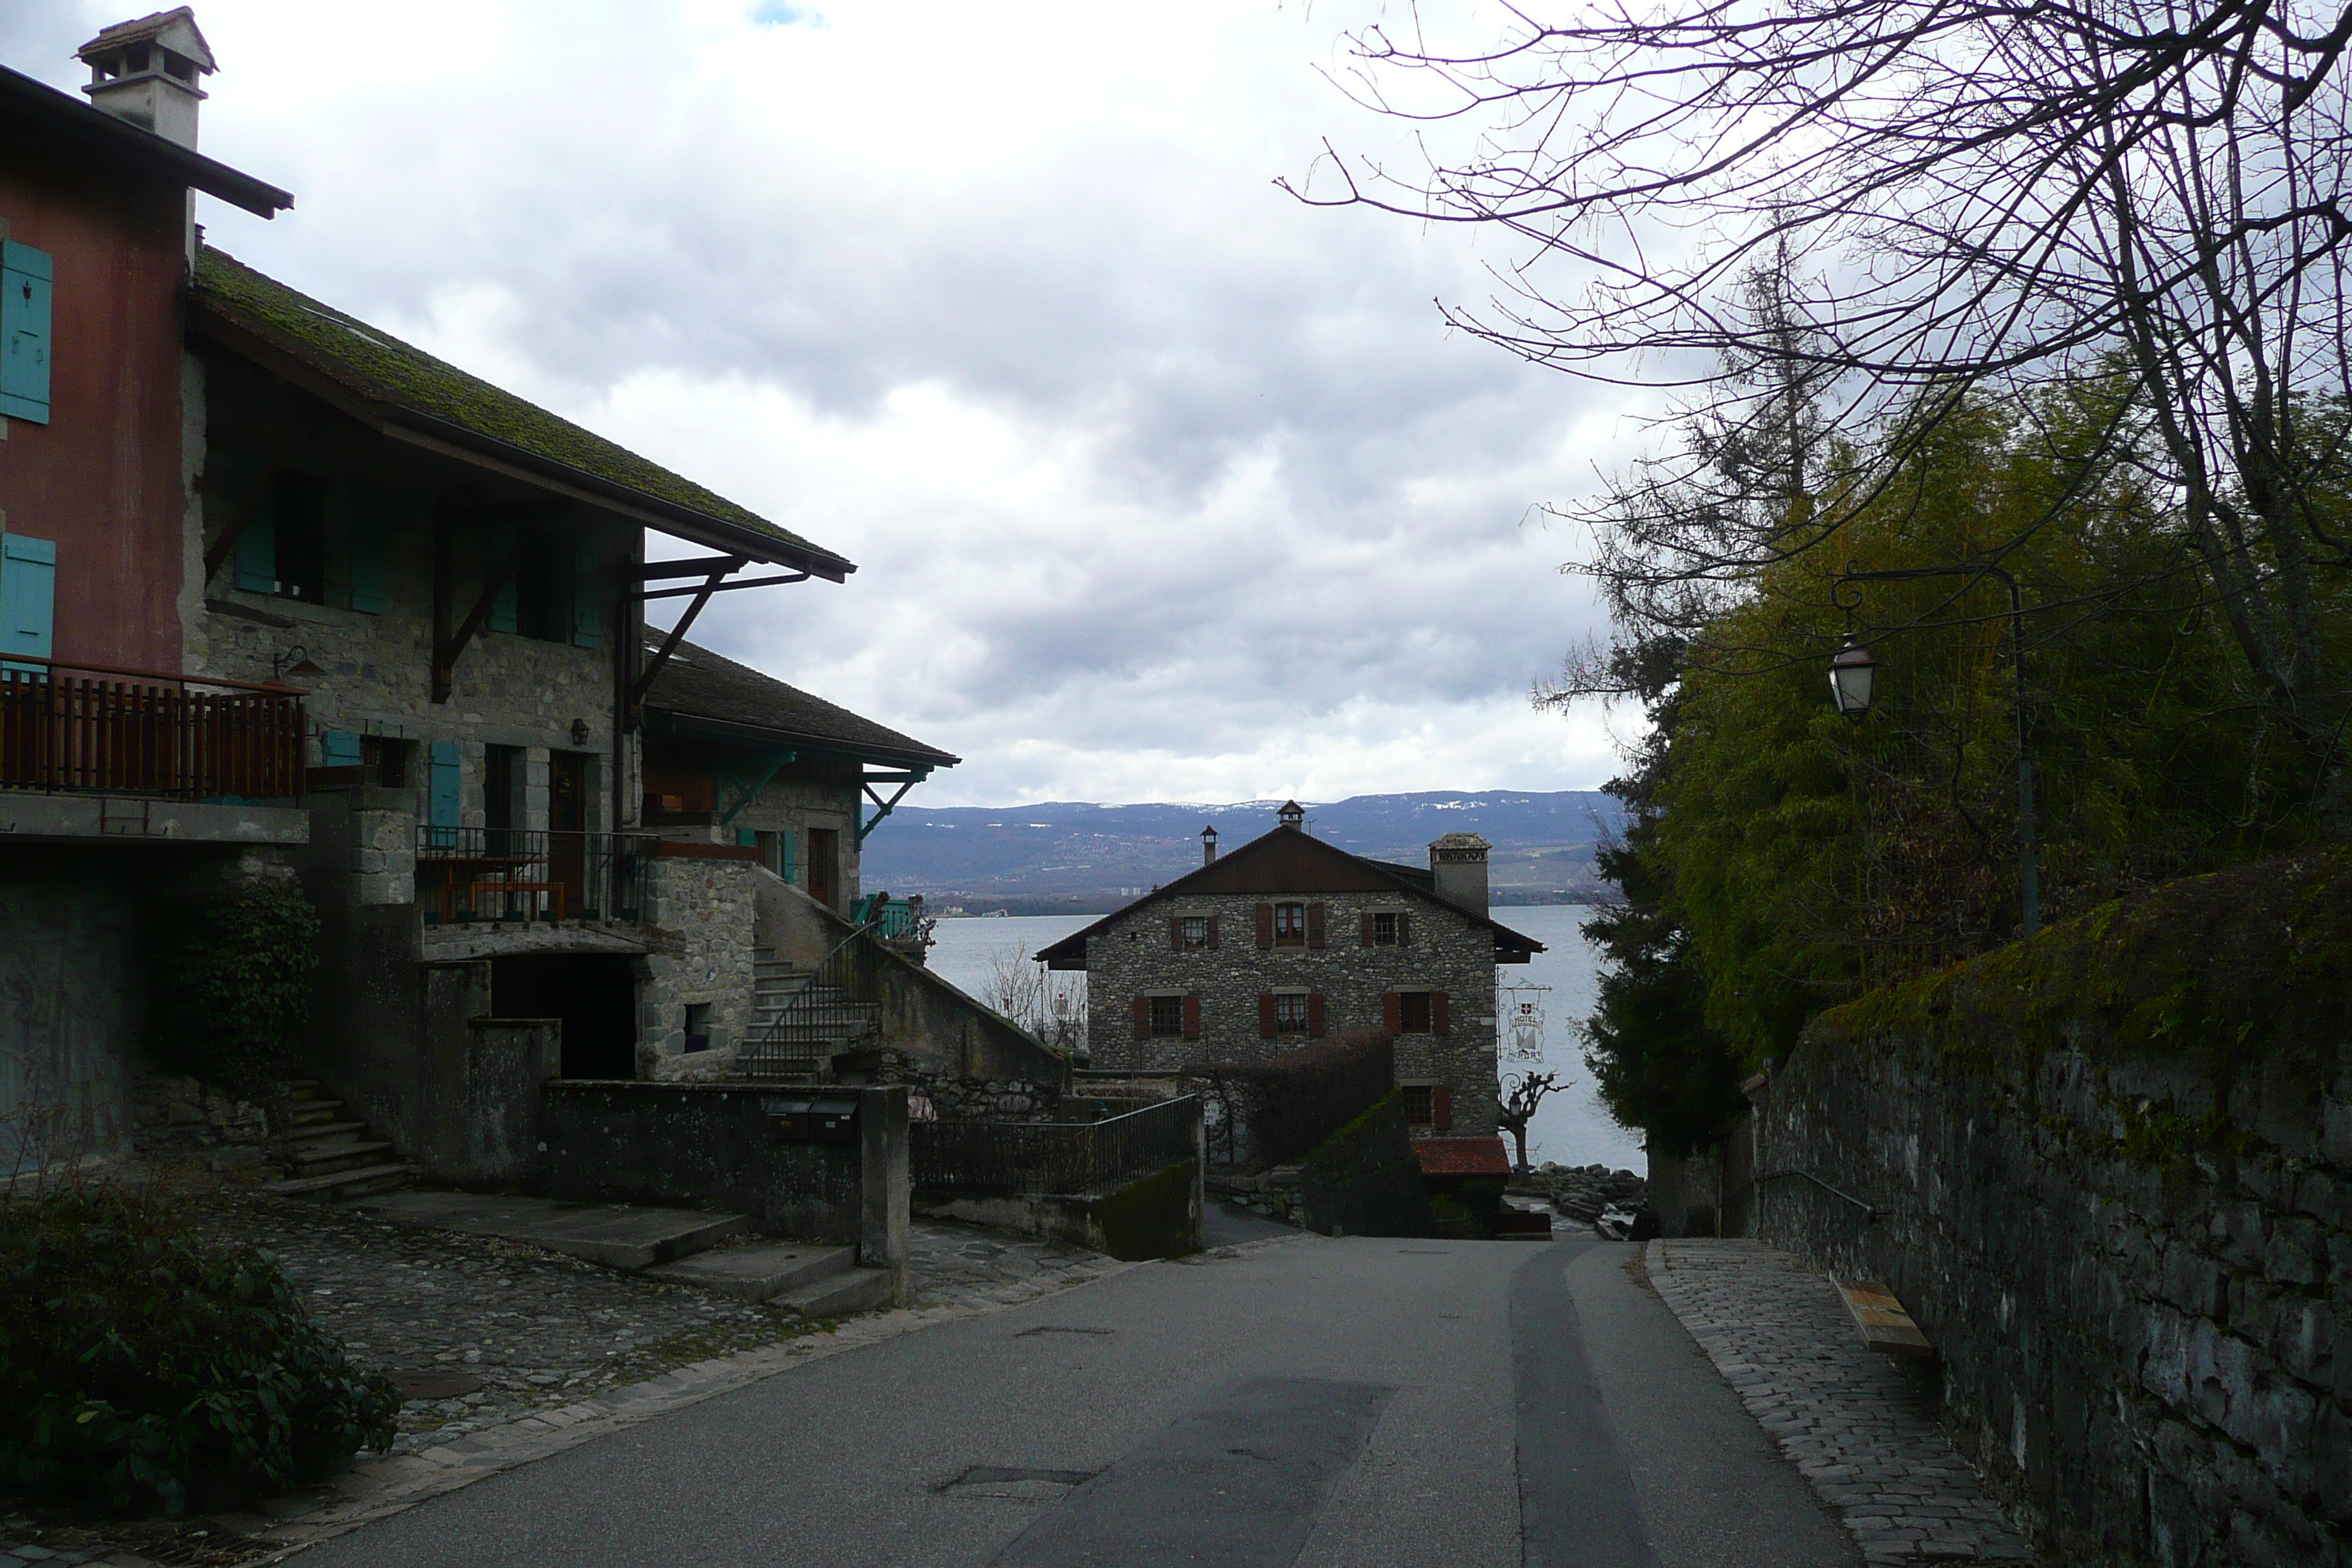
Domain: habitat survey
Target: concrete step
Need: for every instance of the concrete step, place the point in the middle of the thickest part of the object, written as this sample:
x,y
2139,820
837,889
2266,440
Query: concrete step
x,y
337,1185
311,1131
852,1290
615,1235
307,1160
311,1113
760,1271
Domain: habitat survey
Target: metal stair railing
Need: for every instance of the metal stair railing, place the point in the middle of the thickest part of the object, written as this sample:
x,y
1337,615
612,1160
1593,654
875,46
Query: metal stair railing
x,y
839,1005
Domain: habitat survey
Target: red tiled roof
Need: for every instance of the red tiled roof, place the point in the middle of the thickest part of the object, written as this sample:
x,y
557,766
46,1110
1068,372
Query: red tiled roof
x,y
1462,1156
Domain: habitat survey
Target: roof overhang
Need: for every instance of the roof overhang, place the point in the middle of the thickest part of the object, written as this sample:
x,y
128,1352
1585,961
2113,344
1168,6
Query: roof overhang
x,y
736,730
502,457
46,108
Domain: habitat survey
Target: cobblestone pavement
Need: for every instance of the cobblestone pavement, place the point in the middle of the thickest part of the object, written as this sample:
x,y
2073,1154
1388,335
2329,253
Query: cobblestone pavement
x,y
549,1343
1860,1430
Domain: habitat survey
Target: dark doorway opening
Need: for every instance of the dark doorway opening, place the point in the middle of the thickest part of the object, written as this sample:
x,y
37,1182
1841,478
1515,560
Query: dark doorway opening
x,y
567,819
595,994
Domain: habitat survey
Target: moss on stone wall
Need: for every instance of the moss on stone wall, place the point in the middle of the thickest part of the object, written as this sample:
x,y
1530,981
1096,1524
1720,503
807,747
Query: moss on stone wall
x,y
1150,1218
2241,967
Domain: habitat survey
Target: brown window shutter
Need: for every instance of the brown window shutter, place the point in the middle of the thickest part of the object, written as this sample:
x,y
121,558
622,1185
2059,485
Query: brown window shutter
x,y
1266,1028
1265,925
1192,1015
1176,933
1404,929
1367,922
1315,925
1437,1011
1388,1011
1315,1016
1143,1017
1441,1103
1212,932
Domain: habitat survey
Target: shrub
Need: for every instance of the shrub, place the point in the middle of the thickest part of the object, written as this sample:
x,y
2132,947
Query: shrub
x,y
142,1369
233,982
1276,1112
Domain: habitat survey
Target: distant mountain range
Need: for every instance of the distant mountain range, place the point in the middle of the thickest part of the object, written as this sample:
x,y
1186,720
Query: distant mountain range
x,y
1070,857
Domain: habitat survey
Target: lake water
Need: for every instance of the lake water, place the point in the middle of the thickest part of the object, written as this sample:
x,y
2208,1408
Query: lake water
x,y
1571,1127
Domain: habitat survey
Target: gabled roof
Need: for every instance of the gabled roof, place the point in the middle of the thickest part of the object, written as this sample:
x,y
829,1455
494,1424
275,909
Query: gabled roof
x,y
402,391
35,107
1287,861
716,695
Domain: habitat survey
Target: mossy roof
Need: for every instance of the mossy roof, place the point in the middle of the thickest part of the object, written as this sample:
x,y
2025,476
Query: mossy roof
x,y
393,382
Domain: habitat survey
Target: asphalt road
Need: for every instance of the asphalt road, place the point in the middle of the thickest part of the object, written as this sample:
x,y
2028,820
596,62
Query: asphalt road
x,y
1351,1404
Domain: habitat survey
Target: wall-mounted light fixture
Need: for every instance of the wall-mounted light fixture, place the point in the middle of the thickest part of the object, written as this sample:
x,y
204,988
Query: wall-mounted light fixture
x,y
295,660
580,732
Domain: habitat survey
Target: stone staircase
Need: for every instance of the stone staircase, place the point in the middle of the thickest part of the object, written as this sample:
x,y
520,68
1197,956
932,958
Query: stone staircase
x,y
327,1154
800,1023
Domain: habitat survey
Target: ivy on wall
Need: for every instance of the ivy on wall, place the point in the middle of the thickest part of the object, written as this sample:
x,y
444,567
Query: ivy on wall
x,y
232,981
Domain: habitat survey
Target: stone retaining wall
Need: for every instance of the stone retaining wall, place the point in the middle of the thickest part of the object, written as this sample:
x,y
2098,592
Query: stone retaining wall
x,y
2113,1172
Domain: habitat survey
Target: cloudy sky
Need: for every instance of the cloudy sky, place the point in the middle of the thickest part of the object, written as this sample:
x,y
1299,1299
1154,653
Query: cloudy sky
x,y
1162,486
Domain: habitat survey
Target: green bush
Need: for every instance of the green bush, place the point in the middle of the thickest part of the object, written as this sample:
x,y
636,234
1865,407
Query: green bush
x,y
142,1370
233,983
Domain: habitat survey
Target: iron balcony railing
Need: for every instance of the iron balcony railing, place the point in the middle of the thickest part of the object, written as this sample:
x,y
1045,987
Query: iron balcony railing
x,y
137,732
520,874
1060,1158
836,1008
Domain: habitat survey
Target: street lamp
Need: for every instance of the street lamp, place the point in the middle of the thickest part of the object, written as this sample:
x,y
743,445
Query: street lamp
x,y
1850,679
1850,674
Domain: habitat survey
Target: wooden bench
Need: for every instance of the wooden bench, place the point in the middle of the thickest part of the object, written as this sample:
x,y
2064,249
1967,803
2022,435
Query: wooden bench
x,y
1884,1325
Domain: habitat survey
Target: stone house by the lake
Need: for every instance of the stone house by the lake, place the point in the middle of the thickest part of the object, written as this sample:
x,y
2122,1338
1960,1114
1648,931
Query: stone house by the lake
x,y
1290,938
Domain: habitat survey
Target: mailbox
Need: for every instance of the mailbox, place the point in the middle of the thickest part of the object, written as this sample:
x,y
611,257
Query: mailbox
x,y
823,1119
833,1118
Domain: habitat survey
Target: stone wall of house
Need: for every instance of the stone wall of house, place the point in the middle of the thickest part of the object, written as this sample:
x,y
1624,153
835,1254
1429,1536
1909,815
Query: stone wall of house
x,y
1133,956
508,690
800,796
2112,1176
702,916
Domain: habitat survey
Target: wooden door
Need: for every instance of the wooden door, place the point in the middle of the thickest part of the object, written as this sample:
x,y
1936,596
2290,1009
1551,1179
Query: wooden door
x,y
567,821
825,864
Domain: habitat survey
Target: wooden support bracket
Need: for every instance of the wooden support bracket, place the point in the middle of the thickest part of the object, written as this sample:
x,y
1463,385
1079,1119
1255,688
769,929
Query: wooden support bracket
x,y
234,530
448,645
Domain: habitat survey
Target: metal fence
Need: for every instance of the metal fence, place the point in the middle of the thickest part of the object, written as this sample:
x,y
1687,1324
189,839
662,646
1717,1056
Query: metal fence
x,y
91,727
516,874
1065,1159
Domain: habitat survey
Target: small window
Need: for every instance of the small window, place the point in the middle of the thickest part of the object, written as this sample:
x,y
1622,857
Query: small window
x,y
1290,925
385,760
1290,1012
301,537
698,1027
1167,1016
1412,1013
1194,931
1384,930
1421,1104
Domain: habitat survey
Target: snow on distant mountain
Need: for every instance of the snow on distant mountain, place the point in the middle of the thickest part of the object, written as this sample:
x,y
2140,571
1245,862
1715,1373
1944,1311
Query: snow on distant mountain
x,y
1077,856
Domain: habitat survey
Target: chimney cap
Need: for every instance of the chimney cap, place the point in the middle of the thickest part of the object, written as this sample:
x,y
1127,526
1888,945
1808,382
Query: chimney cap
x,y
1458,847
172,34
1292,814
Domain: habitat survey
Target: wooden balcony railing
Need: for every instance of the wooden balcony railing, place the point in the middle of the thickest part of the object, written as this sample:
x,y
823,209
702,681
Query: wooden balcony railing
x,y
137,732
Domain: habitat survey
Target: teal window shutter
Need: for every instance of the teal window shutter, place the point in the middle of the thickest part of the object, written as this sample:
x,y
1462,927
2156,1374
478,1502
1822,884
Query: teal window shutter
x,y
339,749
28,591
25,284
747,837
257,547
503,614
784,854
587,606
369,522
441,803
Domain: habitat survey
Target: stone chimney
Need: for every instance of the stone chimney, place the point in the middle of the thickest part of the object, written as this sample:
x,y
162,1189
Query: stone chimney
x,y
145,71
1458,863
1292,815
1209,845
